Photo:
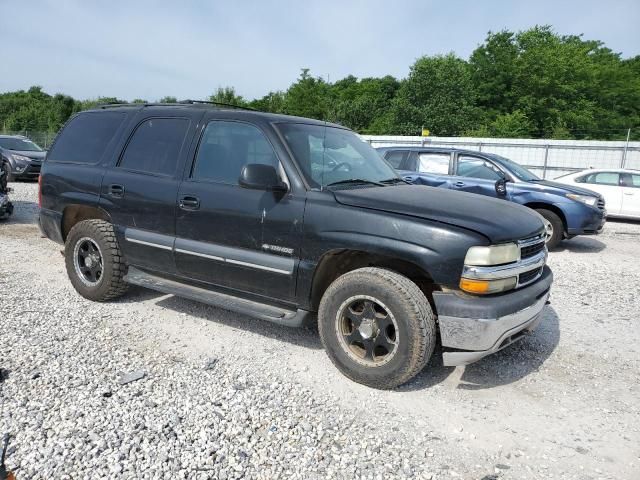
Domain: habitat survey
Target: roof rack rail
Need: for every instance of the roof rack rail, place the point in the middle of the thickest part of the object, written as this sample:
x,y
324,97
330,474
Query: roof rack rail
x,y
181,102
220,104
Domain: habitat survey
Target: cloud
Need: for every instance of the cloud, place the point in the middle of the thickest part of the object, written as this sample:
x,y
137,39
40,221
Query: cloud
x,y
148,49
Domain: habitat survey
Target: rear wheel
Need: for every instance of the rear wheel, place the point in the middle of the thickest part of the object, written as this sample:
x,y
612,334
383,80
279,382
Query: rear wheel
x,y
94,262
377,327
553,226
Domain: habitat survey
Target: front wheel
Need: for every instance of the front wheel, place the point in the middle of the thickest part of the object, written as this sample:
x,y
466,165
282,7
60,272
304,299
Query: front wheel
x,y
553,226
377,327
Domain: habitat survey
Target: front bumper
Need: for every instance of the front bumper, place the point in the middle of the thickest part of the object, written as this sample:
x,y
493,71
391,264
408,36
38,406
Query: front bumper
x,y
473,327
31,170
583,219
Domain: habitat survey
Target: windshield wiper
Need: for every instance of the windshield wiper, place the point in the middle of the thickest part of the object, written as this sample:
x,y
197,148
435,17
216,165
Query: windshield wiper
x,y
355,181
395,180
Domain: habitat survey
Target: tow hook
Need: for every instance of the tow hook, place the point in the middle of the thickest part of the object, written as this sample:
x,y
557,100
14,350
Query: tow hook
x,y
4,473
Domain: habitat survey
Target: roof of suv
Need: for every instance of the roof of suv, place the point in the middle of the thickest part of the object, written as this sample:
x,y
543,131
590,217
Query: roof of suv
x,y
238,112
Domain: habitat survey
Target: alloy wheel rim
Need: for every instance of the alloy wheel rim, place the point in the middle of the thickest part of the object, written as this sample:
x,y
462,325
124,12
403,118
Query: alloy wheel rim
x,y
367,331
548,227
87,260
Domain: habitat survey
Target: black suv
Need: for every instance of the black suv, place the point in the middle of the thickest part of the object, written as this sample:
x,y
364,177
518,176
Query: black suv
x,y
291,220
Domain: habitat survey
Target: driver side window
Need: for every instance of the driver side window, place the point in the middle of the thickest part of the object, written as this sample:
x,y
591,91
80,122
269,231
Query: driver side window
x,y
475,167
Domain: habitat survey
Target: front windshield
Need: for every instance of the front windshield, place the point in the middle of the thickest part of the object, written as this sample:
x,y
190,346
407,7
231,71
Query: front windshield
x,y
19,144
518,170
327,155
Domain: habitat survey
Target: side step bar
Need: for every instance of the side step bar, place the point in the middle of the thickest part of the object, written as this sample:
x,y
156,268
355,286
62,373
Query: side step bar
x,y
289,318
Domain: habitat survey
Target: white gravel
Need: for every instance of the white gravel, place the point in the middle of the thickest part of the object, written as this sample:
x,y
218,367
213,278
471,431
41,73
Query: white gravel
x,y
153,386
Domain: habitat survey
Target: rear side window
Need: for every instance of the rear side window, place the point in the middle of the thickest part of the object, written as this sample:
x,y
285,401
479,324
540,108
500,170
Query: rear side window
x,y
85,138
395,158
629,180
226,147
602,178
437,163
155,146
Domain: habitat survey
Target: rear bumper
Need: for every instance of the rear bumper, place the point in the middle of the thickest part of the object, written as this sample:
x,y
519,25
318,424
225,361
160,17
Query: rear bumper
x,y
473,327
50,223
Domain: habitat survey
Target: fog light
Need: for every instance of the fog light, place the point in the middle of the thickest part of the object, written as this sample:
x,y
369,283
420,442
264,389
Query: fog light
x,y
484,287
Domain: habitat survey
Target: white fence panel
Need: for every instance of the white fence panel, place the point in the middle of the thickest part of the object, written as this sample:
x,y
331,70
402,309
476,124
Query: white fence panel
x,y
547,158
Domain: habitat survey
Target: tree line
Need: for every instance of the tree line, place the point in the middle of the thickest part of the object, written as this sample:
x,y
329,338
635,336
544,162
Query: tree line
x,y
533,84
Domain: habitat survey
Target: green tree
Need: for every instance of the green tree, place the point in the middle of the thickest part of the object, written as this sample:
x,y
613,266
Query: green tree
x,y
438,95
168,99
227,95
273,102
308,97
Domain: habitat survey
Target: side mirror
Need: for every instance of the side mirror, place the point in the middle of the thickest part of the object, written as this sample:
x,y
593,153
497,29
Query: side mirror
x,y
257,176
501,187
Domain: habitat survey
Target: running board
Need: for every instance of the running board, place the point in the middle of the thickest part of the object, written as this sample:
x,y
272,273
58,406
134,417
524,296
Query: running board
x,y
290,318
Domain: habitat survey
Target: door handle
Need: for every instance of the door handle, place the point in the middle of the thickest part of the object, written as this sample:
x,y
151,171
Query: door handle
x,y
628,193
189,202
115,190
459,184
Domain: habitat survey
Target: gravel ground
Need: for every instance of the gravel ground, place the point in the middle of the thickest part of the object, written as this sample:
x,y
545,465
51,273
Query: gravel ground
x,y
223,396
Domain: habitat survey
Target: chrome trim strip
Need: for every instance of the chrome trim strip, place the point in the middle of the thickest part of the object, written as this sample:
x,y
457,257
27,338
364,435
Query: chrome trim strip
x,y
505,271
149,244
236,256
198,254
253,265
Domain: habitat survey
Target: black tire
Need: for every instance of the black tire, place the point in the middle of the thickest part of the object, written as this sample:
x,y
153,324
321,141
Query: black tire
x,y
407,307
109,284
556,225
8,176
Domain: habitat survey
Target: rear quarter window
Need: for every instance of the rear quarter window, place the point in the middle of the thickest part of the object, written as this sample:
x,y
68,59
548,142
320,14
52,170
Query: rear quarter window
x,y
86,137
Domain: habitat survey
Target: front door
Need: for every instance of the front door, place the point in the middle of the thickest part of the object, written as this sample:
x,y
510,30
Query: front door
x,y
475,175
230,236
140,190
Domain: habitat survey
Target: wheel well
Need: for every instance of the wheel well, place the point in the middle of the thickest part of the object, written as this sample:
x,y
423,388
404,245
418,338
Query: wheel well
x,y
337,263
551,208
78,213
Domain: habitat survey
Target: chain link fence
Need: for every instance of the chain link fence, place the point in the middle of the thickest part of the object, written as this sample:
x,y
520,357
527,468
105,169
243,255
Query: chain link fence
x,y
43,139
547,158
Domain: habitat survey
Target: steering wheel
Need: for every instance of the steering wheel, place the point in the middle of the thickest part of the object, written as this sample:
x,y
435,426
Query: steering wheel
x,y
340,165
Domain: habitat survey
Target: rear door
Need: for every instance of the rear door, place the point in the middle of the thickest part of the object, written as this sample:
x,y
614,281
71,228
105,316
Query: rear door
x,y
475,174
608,185
230,236
630,194
139,191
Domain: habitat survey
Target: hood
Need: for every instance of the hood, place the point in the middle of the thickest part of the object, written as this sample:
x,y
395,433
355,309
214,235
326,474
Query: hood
x,y
498,220
565,188
29,153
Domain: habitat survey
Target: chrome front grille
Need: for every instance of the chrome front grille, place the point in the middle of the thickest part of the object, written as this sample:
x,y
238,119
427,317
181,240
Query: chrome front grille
x,y
532,247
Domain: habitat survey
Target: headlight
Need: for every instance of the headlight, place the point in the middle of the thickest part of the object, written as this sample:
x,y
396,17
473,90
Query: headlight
x,y
586,199
20,158
493,255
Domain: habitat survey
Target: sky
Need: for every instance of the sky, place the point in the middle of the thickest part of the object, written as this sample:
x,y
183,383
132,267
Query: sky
x,y
148,49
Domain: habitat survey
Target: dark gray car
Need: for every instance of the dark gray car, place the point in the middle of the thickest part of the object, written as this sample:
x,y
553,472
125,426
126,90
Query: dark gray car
x,y
20,157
